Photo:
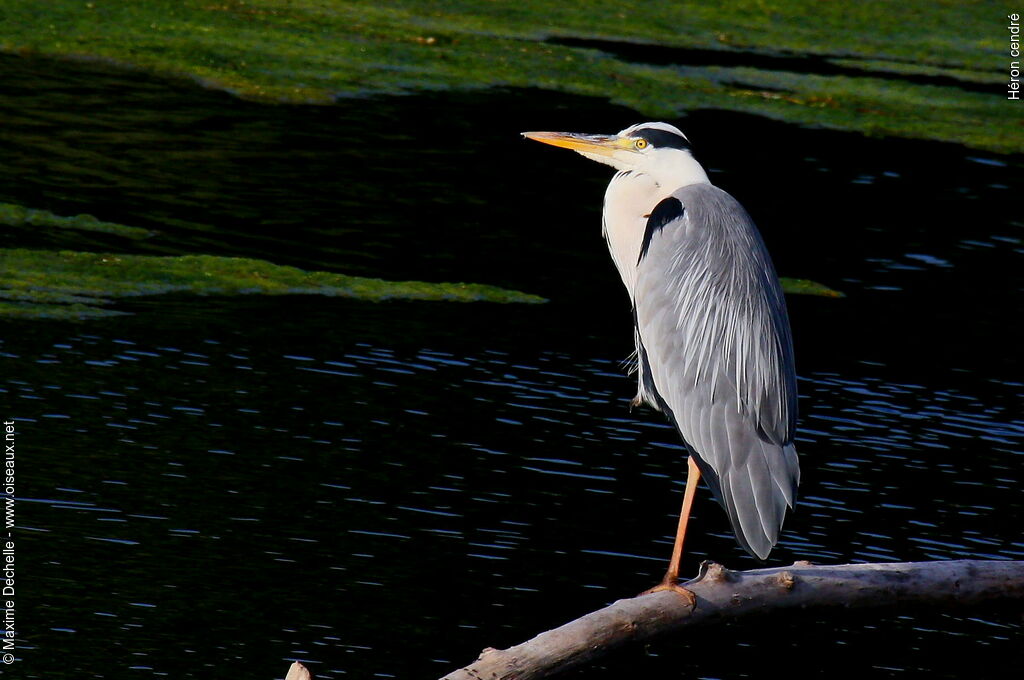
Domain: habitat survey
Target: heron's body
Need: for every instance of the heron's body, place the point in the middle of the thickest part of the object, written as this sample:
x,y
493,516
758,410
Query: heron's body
x,y
714,348
712,335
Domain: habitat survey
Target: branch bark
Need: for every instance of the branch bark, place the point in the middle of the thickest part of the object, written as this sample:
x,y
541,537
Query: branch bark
x,y
719,594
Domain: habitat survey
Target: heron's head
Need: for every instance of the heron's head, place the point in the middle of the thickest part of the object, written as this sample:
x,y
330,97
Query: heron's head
x,y
654,148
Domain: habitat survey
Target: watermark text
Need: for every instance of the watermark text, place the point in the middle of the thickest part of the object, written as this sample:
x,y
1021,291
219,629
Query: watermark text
x,y
1013,85
7,581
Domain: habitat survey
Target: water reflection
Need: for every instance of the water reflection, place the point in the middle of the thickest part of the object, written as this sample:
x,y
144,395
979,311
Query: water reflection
x,y
382,469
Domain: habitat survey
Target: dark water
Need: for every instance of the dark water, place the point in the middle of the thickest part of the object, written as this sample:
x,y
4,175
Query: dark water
x,y
224,485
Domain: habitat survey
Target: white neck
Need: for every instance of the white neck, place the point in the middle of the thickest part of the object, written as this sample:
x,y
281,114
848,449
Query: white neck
x,y
632,195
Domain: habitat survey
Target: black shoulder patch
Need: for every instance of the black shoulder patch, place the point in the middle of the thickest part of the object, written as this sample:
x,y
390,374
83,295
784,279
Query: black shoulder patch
x,y
669,209
662,139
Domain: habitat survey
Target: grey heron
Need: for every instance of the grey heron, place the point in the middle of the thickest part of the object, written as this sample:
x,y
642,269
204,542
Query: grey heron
x,y
713,344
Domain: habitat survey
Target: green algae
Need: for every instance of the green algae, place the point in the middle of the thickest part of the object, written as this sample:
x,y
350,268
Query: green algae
x,y
65,284
807,287
44,284
76,285
318,50
71,312
18,216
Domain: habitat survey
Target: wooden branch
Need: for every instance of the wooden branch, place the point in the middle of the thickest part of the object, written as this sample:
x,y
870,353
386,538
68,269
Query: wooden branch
x,y
718,594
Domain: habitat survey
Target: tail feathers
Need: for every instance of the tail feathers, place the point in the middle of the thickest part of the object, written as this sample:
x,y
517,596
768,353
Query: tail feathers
x,y
755,495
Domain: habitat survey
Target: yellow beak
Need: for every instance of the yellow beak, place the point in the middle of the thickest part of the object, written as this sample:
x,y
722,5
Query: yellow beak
x,y
604,145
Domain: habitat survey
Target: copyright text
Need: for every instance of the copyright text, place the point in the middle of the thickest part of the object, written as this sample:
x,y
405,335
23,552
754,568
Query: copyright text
x,y
7,582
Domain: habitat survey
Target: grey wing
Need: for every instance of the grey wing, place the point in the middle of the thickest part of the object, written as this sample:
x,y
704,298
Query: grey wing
x,y
716,355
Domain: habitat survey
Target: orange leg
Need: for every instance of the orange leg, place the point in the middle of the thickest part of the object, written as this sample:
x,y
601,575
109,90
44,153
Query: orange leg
x,y
692,478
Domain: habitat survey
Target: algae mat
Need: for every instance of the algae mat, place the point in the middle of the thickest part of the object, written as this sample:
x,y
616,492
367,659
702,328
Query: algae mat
x,y
65,284
82,285
77,285
921,69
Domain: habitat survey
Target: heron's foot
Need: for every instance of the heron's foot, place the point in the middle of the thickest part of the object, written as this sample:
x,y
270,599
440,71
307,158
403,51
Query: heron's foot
x,y
671,583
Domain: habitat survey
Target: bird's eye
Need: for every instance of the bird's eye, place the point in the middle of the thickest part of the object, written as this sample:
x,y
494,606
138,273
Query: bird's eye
x,y
640,143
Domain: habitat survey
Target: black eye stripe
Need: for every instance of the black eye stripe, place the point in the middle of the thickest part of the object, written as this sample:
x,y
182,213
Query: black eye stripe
x,y
662,139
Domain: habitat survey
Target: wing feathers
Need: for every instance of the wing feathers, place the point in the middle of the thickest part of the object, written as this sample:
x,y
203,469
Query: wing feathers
x,y
715,347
